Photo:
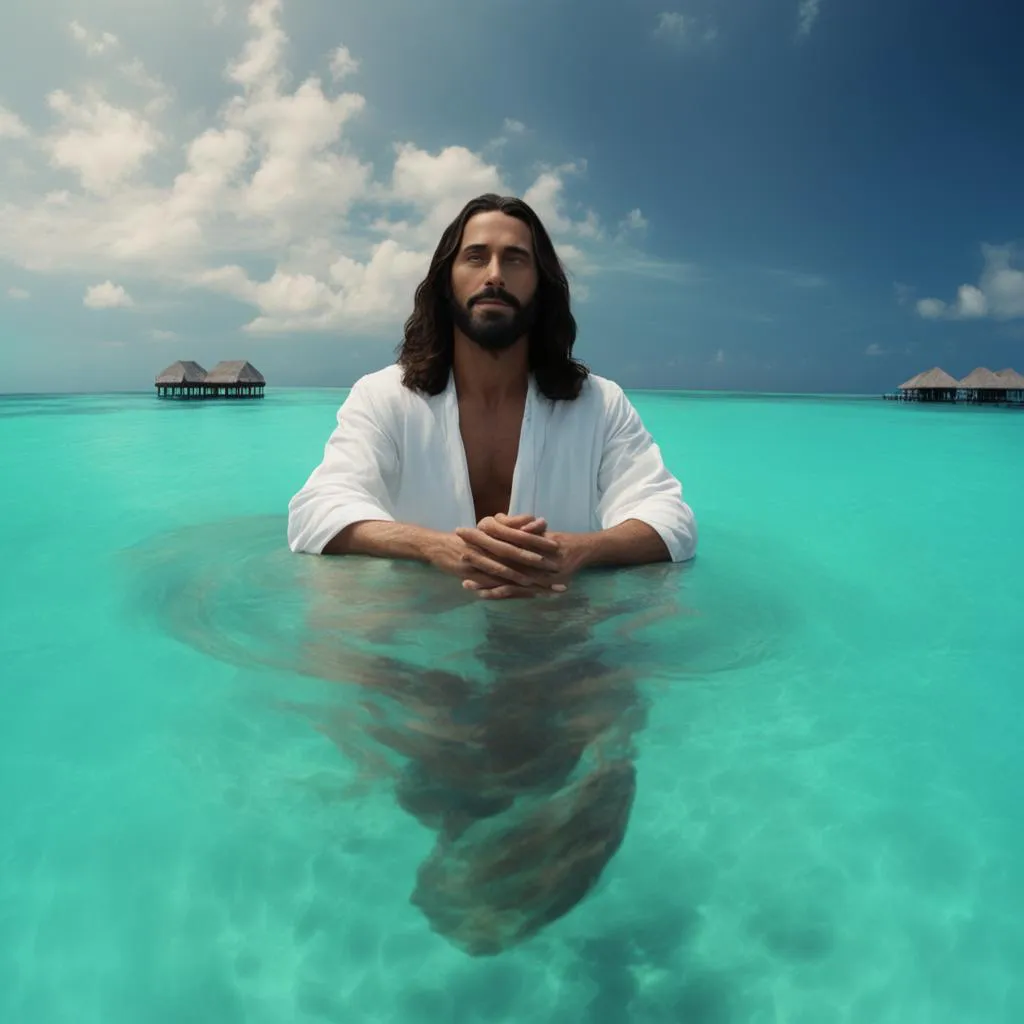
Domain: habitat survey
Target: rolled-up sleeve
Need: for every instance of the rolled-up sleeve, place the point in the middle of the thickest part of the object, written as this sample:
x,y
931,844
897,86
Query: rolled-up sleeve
x,y
355,481
634,483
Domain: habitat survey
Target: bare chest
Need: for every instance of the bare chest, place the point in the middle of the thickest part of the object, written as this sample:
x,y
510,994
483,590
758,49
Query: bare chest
x,y
491,443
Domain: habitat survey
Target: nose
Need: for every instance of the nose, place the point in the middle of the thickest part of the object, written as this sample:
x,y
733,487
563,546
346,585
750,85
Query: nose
x,y
494,275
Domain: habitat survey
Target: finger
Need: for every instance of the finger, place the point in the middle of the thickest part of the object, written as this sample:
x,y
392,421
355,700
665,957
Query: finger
x,y
504,542
505,551
513,592
480,581
477,560
531,524
505,590
517,522
538,526
507,594
509,590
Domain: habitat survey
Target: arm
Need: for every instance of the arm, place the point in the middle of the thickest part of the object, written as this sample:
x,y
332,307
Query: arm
x,y
641,508
384,539
353,484
632,542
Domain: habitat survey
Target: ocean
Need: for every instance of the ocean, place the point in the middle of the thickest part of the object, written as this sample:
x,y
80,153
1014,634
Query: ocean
x,y
808,739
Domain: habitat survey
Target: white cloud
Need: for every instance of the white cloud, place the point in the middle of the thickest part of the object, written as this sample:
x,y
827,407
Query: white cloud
x,y
19,294
683,29
103,144
874,349
931,309
260,63
106,296
546,197
971,301
272,178
94,43
720,357
672,23
135,73
11,126
438,185
159,335
510,129
218,11
633,221
807,15
343,64
999,293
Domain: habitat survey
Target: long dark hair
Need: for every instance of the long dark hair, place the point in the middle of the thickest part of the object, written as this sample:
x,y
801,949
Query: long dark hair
x,y
425,353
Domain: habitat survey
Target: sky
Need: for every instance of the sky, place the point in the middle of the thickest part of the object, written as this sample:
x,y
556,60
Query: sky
x,y
755,195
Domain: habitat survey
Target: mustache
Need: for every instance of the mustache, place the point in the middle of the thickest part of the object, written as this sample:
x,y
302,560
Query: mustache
x,y
496,294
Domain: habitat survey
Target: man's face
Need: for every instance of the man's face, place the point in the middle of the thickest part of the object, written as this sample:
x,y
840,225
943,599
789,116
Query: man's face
x,y
494,281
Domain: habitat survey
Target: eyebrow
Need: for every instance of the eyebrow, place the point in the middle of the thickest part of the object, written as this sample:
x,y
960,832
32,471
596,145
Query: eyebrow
x,y
480,247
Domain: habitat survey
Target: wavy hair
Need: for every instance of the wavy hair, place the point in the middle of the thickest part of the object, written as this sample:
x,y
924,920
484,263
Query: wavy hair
x,y
425,353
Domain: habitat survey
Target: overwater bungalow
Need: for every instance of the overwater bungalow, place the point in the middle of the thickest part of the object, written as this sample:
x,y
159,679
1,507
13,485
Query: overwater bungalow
x,y
183,379
980,387
934,385
233,378
1014,384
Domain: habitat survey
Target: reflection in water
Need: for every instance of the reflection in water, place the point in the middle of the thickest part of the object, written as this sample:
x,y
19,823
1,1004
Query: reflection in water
x,y
506,728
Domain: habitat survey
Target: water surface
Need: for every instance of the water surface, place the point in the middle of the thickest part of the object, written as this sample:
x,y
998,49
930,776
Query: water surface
x,y
197,824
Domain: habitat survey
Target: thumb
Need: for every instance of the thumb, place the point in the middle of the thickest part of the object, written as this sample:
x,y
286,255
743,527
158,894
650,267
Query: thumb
x,y
523,521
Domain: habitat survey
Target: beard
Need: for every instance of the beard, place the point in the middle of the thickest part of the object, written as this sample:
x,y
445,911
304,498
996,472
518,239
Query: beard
x,y
491,328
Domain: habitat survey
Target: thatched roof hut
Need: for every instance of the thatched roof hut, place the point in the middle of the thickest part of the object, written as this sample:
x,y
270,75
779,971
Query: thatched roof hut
x,y
1012,380
980,387
933,379
235,371
982,379
184,371
230,379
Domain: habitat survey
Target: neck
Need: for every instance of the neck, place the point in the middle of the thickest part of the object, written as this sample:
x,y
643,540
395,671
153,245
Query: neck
x,y
490,377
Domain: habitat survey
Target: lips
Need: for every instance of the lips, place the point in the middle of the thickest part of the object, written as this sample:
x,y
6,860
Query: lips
x,y
492,298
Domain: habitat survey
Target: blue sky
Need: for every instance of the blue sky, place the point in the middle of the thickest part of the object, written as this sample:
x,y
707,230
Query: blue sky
x,y
779,195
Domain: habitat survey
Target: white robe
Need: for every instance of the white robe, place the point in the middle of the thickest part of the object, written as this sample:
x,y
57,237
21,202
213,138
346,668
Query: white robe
x,y
397,455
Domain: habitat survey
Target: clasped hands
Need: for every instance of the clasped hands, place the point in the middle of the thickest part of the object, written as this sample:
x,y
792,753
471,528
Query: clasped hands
x,y
514,557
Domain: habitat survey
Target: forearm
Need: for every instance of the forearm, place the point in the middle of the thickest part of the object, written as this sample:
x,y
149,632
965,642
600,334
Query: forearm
x,y
381,539
629,543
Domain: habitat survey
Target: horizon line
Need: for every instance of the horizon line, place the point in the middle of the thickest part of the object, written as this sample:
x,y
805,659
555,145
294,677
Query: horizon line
x,y
348,387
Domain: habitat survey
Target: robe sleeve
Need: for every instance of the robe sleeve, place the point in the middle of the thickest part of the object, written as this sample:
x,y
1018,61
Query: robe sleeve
x,y
355,481
634,483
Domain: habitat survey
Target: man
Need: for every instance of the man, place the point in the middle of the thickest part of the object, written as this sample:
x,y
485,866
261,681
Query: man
x,y
487,451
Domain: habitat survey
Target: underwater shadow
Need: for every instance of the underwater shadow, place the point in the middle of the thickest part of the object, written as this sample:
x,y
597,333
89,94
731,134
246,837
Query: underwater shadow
x,y
508,729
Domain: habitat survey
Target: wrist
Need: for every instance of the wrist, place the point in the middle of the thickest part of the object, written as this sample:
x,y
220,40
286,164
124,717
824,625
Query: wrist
x,y
432,547
583,549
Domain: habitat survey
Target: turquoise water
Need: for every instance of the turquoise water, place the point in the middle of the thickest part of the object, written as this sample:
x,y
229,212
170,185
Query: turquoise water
x,y
195,824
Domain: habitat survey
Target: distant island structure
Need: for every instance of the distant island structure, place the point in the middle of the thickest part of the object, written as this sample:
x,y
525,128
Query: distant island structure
x,y
980,387
233,378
